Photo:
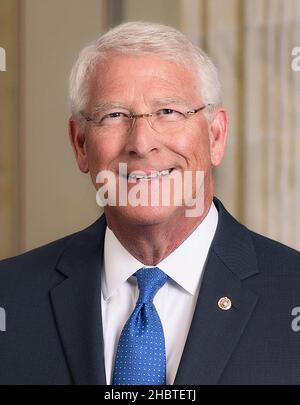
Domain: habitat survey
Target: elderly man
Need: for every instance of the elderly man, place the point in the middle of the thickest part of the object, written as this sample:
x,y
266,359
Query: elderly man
x,y
169,290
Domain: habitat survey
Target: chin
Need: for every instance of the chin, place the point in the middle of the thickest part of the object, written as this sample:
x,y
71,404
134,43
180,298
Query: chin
x,y
142,215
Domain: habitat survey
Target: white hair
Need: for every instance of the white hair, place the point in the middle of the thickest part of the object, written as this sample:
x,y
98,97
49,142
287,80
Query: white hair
x,y
143,38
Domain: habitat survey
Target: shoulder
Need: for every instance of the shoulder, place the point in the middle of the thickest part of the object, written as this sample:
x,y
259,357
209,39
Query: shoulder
x,y
42,253
37,263
31,267
242,248
275,258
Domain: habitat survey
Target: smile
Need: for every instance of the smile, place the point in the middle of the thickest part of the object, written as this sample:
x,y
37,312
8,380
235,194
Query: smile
x,y
152,176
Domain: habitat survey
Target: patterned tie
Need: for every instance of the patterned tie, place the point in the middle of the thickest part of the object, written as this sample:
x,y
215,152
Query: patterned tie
x,y
141,357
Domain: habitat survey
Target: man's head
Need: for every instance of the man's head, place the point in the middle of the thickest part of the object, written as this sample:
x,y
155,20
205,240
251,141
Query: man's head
x,y
141,68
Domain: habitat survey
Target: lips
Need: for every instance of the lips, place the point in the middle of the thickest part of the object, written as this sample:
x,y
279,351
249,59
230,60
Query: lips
x,y
142,176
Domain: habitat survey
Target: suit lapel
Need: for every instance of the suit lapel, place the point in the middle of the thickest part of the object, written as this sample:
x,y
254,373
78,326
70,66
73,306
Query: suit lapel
x,y
214,332
76,303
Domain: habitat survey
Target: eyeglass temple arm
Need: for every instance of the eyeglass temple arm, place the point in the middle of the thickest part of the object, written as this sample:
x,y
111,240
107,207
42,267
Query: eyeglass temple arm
x,y
198,109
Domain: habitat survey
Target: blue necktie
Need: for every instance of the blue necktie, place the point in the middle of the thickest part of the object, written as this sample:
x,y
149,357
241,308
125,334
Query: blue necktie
x,y
141,356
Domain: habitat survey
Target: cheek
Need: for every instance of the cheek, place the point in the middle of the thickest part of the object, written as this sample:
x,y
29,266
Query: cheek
x,y
101,153
195,149
202,152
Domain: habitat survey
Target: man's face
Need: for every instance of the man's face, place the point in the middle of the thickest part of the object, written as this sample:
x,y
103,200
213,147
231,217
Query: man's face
x,y
145,84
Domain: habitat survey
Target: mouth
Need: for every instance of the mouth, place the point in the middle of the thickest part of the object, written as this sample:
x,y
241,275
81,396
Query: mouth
x,y
142,176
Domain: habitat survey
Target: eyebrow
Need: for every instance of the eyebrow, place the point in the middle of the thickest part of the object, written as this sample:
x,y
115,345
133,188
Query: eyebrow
x,y
156,103
170,100
107,105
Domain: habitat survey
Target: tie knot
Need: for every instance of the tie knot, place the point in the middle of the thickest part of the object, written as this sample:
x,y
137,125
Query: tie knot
x,y
150,280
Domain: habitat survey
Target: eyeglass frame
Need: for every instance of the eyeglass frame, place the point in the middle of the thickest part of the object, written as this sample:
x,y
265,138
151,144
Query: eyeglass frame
x,y
133,117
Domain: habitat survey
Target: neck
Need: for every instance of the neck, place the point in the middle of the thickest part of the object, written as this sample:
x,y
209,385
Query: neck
x,y
151,243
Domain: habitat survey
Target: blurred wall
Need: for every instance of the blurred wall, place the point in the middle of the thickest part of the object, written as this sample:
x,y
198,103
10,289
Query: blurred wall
x,y
9,219
164,12
56,199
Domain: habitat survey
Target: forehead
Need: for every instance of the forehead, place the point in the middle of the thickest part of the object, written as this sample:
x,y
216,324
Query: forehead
x,y
119,77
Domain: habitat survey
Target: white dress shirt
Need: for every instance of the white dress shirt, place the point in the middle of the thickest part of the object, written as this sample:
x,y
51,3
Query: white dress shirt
x,y
175,301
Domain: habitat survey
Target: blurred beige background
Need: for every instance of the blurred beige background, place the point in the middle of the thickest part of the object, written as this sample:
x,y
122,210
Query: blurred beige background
x,y
43,196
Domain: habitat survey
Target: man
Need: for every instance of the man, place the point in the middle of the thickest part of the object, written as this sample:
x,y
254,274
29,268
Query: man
x,y
151,293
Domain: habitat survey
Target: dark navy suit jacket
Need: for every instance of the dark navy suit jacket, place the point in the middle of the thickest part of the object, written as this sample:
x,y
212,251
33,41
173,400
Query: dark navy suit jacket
x,y
52,299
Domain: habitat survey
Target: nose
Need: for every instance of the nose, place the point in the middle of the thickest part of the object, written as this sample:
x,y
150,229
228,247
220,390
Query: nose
x,y
142,138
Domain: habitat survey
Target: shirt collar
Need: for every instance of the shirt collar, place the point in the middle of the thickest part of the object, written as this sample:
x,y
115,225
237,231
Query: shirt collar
x,y
184,265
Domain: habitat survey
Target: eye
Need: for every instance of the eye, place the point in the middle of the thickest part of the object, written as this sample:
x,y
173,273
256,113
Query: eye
x,y
167,111
112,118
115,115
169,114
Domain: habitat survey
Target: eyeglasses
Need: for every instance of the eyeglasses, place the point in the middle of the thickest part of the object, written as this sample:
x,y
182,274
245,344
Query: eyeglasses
x,y
165,119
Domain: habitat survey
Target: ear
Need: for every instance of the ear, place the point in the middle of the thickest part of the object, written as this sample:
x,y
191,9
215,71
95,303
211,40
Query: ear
x,y
78,141
218,130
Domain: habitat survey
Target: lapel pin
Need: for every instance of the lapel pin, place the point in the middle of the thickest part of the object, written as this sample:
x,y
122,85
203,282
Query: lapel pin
x,y
224,303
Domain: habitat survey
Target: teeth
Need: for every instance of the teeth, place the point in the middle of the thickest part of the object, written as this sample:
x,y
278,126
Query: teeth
x,y
151,176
